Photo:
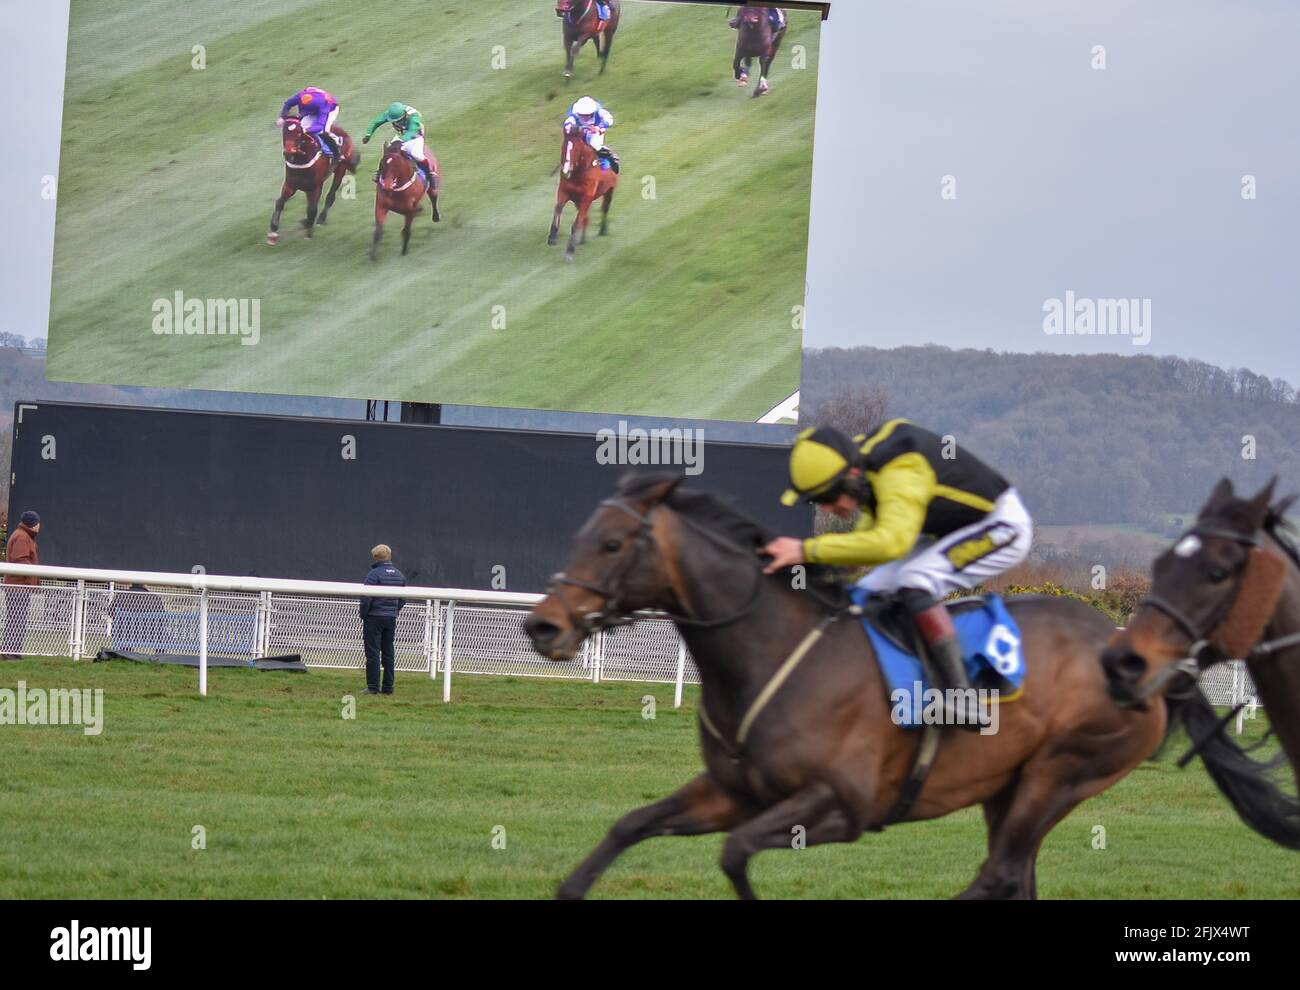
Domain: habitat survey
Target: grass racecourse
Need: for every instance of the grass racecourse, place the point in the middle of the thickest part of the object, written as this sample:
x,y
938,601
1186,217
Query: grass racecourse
x,y
406,799
169,171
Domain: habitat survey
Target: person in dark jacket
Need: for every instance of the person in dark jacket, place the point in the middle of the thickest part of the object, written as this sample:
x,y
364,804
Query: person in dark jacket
x,y
20,549
379,617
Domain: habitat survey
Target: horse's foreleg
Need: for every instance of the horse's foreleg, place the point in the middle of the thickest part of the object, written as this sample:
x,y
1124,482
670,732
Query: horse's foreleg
x,y
273,235
584,217
808,817
698,808
741,76
572,251
571,53
406,232
381,215
313,200
554,237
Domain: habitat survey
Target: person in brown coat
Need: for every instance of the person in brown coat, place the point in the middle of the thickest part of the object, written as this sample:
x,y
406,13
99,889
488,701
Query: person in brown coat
x,y
21,549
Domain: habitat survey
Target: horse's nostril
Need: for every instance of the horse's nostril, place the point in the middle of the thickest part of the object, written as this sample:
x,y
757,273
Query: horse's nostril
x,y
540,630
1124,664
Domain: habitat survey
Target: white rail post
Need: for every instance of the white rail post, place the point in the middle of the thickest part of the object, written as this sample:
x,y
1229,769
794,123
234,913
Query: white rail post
x,y
203,642
597,655
428,636
262,627
1239,693
77,633
681,672
447,629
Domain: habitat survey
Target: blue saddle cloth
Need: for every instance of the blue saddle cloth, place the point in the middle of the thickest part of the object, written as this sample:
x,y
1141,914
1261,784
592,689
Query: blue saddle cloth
x,y
989,637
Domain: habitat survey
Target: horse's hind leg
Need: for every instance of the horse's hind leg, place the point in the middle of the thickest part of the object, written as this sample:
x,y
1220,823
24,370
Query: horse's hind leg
x,y
816,810
698,808
329,198
604,212
604,56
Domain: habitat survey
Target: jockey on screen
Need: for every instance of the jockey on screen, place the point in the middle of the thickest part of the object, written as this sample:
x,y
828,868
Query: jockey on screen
x,y
593,120
908,484
317,111
408,123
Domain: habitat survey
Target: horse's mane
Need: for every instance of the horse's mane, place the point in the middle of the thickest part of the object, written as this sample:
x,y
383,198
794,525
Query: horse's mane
x,y
714,512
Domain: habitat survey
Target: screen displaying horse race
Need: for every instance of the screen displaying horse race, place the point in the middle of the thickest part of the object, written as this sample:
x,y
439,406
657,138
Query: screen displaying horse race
x,y
587,205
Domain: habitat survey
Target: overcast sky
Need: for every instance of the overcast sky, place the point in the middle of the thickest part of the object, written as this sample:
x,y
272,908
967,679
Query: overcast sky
x,y
1123,181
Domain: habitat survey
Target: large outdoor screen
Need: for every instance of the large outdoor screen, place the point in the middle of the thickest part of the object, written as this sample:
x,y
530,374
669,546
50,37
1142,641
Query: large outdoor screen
x,y
186,121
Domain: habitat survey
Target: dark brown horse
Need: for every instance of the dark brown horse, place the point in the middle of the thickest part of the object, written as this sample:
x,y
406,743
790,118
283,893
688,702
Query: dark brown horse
x,y
582,182
796,730
1229,588
306,167
757,39
401,188
582,24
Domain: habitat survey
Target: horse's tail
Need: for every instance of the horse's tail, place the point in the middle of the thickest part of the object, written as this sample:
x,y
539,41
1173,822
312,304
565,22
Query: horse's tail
x,y
355,161
1248,784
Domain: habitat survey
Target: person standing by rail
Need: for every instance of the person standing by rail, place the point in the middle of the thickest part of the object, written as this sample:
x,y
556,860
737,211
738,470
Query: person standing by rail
x,y
379,619
20,549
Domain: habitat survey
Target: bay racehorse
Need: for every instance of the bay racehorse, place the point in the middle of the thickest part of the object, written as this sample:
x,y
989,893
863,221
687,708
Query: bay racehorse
x,y
795,721
306,167
1228,588
757,39
582,182
401,188
582,23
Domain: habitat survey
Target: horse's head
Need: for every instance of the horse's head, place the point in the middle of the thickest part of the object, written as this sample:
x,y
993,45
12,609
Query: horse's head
x,y
619,565
394,168
563,8
753,17
294,138
632,555
1212,595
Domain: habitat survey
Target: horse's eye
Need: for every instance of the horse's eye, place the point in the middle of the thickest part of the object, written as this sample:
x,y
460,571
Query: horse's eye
x,y
613,546
1218,574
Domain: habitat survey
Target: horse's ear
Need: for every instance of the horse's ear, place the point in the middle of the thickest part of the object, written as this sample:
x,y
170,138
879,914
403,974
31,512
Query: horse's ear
x,y
659,491
1259,505
1222,492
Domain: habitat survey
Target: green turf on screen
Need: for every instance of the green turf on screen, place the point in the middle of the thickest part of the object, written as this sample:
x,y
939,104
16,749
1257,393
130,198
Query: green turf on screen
x,y
168,176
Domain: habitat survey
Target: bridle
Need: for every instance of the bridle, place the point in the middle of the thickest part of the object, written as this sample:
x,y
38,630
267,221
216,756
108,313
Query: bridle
x,y
611,586
1194,664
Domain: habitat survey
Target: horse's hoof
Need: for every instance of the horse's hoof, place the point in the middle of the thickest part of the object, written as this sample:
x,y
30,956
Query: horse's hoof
x,y
552,241
273,238
568,257
304,223
321,221
742,82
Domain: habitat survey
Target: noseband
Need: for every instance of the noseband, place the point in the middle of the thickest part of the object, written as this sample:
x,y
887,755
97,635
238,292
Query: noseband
x,y
611,590
1202,635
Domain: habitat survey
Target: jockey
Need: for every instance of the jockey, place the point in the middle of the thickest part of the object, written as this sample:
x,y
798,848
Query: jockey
x,y
408,123
908,484
774,14
317,111
590,117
